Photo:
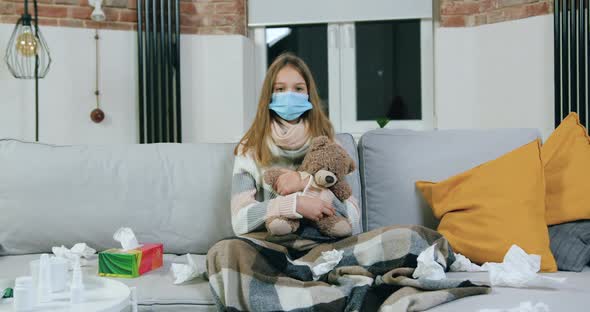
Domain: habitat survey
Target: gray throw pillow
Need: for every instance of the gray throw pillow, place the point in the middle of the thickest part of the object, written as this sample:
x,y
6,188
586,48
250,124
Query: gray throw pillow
x,y
570,244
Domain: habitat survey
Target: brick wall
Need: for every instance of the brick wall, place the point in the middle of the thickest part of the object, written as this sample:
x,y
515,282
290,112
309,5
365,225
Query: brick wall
x,y
465,13
197,16
229,16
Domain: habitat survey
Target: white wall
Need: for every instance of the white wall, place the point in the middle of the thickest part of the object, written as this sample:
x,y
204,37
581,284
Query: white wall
x,y
66,95
13,122
497,75
217,88
217,98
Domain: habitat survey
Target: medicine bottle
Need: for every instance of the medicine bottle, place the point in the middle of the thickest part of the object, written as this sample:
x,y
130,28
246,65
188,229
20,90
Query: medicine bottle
x,y
23,294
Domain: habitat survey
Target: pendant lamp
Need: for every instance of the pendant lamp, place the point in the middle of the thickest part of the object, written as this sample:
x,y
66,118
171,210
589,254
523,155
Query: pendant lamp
x,y
27,55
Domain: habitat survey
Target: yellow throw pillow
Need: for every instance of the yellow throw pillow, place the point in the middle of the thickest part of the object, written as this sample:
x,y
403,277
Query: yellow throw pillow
x,y
566,157
485,210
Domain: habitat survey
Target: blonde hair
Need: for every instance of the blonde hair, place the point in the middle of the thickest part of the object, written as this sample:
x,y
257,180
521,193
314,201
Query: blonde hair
x,y
317,122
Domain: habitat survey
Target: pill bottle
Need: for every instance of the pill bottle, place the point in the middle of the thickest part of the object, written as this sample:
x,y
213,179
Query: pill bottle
x,y
23,294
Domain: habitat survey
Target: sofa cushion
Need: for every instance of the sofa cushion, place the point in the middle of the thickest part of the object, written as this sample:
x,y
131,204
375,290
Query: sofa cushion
x,y
175,194
566,154
487,209
570,244
392,160
155,289
571,296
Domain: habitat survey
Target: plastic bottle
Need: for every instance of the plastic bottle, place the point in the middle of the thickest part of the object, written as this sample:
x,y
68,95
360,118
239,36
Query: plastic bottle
x,y
77,286
133,299
44,282
23,294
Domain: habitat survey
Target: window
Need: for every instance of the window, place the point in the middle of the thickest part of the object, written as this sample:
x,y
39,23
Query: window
x,y
388,70
380,66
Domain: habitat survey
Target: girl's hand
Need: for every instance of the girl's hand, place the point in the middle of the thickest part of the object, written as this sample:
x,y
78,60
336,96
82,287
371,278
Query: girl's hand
x,y
313,208
289,182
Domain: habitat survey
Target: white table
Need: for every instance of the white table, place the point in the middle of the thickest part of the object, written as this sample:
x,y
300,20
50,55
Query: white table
x,y
100,295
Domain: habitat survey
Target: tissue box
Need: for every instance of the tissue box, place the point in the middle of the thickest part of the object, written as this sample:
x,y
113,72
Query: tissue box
x,y
131,263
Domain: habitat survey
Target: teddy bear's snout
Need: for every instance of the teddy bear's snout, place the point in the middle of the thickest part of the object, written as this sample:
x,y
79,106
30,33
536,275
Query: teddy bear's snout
x,y
325,178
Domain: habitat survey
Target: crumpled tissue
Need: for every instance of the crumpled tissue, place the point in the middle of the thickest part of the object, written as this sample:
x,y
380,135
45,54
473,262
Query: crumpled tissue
x,y
186,272
526,306
519,269
78,251
326,262
462,264
428,267
127,238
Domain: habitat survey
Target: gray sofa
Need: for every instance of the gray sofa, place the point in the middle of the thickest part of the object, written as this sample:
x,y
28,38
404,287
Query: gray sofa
x,y
178,194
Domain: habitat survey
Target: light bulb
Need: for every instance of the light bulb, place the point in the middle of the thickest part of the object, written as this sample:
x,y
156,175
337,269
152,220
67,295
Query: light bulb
x,y
26,43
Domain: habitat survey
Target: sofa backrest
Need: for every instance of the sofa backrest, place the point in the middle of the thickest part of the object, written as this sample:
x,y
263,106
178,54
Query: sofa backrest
x,y
178,194
393,160
175,194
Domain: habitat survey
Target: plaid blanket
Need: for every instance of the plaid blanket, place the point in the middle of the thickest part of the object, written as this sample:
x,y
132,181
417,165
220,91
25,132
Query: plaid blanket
x,y
257,272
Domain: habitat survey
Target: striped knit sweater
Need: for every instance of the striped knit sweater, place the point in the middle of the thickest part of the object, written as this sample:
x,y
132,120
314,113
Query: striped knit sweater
x,y
253,201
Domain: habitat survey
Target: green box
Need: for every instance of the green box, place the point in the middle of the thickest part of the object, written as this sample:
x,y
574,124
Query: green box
x,y
131,263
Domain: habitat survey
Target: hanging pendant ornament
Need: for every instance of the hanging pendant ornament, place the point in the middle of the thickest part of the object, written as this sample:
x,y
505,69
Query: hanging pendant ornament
x,y
97,115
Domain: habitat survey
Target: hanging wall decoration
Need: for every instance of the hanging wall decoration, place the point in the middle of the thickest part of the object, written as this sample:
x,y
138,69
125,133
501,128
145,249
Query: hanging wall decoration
x,y
97,115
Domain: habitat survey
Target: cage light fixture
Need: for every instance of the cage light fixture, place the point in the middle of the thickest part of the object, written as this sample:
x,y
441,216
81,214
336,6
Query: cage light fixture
x,y
27,54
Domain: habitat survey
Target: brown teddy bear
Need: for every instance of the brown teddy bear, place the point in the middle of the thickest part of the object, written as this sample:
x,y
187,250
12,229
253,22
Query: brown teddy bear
x,y
326,163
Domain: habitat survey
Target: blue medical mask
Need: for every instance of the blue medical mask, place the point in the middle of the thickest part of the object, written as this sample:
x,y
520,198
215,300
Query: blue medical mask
x,y
290,105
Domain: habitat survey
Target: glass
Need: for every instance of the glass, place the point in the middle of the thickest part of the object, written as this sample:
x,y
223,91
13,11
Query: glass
x,y
388,77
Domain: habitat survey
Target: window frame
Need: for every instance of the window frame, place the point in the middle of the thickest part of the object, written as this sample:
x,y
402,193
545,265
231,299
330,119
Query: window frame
x,y
348,104
342,65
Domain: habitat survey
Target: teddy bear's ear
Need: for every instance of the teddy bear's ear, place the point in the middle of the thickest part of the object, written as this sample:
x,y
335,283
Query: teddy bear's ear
x,y
320,141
